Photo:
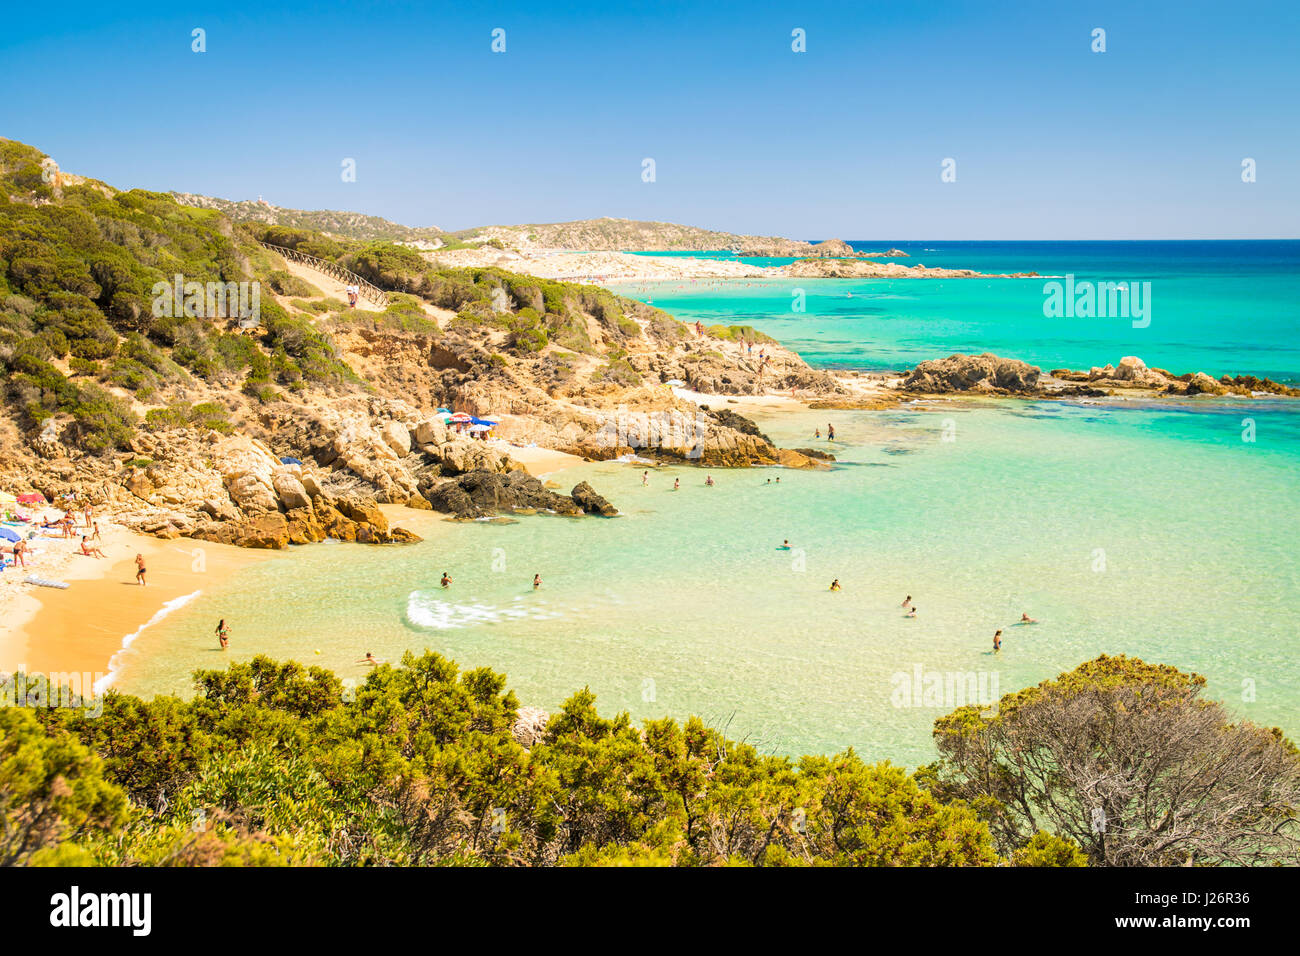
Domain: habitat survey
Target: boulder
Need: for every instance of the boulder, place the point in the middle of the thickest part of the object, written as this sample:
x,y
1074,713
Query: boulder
x,y
964,373
397,438
290,490
1202,384
590,502
432,431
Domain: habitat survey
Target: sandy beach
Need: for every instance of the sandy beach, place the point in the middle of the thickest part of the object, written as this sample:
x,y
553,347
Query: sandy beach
x,y
80,628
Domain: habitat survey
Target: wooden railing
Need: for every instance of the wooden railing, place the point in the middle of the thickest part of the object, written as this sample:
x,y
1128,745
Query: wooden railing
x,y
368,289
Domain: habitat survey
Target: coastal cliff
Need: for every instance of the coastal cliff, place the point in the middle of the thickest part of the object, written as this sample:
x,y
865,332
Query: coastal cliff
x,y
292,421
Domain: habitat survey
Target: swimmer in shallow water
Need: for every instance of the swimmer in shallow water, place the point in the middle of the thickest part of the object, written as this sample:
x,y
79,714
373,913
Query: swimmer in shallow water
x,y
1026,619
835,585
446,579
785,545
537,581
370,660
907,602
911,611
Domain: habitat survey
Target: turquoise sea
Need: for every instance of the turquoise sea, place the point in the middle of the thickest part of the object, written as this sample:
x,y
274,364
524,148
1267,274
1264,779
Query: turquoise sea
x,y
1163,530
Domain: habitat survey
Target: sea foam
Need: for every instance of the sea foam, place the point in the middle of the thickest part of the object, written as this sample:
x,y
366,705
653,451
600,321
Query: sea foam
x,y
116,661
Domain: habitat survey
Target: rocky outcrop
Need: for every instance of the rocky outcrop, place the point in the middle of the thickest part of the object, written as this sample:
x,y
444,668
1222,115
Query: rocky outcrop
x,y
987,373
481,494
590,502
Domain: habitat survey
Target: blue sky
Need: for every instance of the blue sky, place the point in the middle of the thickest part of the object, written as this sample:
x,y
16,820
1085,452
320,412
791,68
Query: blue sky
x,y
1051,140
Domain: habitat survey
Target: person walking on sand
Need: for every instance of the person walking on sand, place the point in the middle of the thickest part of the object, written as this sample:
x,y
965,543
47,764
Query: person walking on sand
x,y
446,579
139,569
537,581
95,536
223,634
997,641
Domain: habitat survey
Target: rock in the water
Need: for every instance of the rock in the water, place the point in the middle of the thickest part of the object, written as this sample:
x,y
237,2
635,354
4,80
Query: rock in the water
x,y
965,373
590,502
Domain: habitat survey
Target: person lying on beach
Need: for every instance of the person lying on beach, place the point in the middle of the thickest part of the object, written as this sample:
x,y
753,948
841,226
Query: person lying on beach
x,y
1026,619
370,659
835,585
446,579
89,551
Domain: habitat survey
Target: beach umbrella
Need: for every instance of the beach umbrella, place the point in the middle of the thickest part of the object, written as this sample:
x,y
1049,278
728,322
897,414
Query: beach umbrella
x,y
462,418
31,498
483,421
478,428
10,535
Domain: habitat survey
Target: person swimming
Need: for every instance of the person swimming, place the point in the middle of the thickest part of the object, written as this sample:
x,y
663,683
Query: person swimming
x,y
1026,619
446,579
370,659
911,611
835,585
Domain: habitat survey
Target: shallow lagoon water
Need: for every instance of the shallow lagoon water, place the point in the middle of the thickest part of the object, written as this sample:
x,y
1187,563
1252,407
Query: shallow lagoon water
x,y
1150,530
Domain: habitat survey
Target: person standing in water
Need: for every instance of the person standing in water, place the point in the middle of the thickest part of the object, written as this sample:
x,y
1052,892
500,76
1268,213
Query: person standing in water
x,y
708,481
830,432
223,634
911,611
835,585
997,641
645,479
907,602
446,579
676,483
139,569
537,581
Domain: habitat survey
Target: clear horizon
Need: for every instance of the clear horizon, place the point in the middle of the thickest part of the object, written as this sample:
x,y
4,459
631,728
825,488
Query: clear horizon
x,y
1051,140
